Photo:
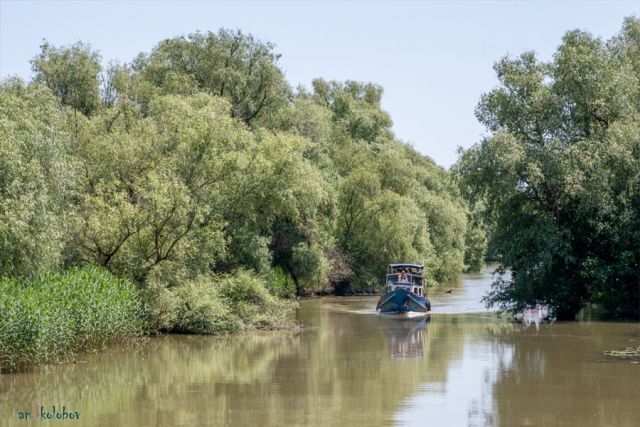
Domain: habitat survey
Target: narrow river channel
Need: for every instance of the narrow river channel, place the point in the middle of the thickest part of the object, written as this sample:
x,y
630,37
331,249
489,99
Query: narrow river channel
x,y
349,366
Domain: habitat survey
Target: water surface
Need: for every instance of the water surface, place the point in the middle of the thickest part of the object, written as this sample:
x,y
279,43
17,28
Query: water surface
x,y
349,366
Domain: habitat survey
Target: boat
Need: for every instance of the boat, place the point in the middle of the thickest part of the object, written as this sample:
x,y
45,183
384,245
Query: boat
x,y
404,290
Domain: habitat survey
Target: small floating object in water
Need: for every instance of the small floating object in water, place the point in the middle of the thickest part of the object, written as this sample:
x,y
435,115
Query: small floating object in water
x,y
449,291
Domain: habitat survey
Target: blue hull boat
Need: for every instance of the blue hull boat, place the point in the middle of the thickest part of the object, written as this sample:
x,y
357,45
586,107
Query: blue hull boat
x,y
404,290
401,300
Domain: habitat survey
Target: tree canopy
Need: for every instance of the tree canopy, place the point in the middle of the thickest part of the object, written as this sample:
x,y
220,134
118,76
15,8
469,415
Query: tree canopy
x,y
72,73
558,176
36,179
198,161
229,64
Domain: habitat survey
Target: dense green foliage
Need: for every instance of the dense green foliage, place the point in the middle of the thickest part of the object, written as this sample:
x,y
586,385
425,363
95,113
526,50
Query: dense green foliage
x,y
229,303
198,158
229,65
57,315
559,176
72,74
197,173
36,179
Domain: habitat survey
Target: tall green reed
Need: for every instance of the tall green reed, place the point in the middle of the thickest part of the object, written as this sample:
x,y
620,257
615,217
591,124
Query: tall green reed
x,y
61,314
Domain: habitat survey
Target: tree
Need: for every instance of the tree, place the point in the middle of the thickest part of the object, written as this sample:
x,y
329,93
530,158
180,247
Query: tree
x,y
356,107
197,159
186,190
36,179
559,175
72,73
394,204
228,64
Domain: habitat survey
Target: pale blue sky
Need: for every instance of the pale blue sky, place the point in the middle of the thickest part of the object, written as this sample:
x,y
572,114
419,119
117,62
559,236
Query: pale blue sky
x,y
433,58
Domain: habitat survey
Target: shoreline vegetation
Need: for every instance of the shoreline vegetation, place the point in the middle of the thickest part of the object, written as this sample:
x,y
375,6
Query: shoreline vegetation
x,y
58,315
194,190
198,177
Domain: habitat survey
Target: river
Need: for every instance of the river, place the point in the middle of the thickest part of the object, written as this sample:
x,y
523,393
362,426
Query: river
x,y
349,366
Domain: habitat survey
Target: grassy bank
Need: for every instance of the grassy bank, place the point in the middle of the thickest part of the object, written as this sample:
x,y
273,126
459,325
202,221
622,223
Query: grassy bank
x,y
60,314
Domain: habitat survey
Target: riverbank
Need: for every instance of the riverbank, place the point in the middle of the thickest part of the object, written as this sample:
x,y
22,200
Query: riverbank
x,y
222,304
60,315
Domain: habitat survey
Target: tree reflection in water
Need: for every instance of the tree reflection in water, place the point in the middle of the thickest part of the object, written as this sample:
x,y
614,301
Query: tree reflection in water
x,y
349,366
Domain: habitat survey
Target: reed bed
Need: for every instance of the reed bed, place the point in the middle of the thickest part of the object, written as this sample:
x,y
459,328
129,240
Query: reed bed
x,y
56,316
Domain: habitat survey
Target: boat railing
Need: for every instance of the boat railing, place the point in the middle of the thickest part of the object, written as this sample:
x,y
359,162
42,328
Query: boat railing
x,y
411,278
406,285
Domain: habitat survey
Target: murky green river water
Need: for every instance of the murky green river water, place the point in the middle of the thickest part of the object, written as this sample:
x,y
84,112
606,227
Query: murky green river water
x,y
349,366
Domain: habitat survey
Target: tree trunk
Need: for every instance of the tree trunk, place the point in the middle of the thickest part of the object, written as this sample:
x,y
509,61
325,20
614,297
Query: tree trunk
x,y
638,270
298,289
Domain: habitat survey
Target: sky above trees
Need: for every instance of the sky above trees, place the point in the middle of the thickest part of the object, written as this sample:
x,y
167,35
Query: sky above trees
x,y
433,58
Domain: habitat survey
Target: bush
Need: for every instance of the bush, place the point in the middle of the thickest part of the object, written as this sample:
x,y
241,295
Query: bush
x,y
60,314
229,303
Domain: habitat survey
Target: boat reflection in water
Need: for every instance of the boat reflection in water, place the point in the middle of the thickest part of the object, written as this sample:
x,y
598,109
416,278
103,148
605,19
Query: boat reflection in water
x,y
405,335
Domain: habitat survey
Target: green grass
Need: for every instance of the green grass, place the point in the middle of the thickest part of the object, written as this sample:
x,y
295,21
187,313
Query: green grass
x,y
61,314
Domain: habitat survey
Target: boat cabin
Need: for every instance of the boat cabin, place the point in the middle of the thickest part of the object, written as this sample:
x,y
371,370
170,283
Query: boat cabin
x,y
405,276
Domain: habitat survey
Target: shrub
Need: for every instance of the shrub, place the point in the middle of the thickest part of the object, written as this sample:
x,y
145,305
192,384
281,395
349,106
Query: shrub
x,y
229,303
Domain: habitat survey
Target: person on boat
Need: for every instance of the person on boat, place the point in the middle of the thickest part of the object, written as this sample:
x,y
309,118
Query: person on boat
x,y
403,277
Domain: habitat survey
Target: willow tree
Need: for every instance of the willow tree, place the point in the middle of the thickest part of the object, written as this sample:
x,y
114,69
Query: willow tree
x,y
200,160
36,179
394,204
229,64
559,175
72,73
